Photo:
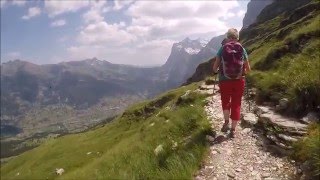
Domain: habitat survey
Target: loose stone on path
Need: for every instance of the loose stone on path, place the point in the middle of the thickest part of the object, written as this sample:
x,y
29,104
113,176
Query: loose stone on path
x,y
242,157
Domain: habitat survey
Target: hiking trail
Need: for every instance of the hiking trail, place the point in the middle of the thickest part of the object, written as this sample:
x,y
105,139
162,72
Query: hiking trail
x,y
243,157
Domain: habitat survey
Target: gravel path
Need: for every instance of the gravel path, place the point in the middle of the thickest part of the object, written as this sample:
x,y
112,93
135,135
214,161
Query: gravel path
x,y
242,157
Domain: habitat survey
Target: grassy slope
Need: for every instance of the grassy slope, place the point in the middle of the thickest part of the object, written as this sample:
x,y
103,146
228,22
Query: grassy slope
x,y
284,53
125,148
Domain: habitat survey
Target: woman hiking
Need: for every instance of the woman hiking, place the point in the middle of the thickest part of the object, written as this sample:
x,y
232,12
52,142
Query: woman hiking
x,y
232,61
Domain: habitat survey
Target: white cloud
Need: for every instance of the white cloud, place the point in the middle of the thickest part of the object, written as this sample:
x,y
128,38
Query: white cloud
x,y
151,31
32,12
157,49
13,55
3,4
241,13
120,4
57,23
95,13
19,2
56,7
178,18
104,33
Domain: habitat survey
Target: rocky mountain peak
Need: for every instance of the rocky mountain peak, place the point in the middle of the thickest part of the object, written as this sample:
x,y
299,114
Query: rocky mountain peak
x,y
190,46
254,8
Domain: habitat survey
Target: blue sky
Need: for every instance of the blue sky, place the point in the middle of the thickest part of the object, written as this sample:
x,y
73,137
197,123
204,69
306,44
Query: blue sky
x,y
122,32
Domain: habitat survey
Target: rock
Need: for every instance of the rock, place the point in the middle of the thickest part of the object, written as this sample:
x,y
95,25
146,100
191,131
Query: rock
x,y
289,125
18,173
238,170
246,131
287,138
208,167
306,166
59,171
277,150
265,175
186,94
261,110
210,138
278,108
158,150
250,119
88,153
280,165
152,124
174,145
231,174
214,152
310,118
283,103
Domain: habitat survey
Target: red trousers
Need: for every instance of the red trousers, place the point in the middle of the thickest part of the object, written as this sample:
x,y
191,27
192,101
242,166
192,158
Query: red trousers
x,y
231,94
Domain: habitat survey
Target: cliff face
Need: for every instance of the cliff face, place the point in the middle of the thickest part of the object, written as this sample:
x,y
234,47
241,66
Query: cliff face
x,y
254,8
202,71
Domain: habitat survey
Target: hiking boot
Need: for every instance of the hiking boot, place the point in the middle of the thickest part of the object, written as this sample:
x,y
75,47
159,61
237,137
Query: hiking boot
x,y
225,127
232,133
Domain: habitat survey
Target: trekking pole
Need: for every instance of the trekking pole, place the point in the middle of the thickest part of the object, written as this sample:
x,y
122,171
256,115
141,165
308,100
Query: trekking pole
x,y
215,81
248,95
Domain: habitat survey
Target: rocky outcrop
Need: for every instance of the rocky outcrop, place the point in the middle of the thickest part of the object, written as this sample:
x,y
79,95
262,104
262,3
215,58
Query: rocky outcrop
x,y
202,71
254,7
205,61
280,131
278,7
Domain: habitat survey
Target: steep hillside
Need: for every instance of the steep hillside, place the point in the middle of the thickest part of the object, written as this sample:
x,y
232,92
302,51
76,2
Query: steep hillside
x,y
161,138
284,54
254,8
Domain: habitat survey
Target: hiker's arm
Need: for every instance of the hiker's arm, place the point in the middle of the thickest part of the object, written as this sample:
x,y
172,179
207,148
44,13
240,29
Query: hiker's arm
x,y
247,67
216,64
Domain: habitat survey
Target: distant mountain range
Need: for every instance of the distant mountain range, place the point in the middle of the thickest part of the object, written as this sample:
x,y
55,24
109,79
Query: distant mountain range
x,y
81,85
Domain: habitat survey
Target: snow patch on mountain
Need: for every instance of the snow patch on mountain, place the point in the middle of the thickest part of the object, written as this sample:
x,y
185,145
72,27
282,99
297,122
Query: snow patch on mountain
x,y
192,51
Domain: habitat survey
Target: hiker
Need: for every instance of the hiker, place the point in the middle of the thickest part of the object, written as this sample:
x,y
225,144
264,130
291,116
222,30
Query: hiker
x,y
232,61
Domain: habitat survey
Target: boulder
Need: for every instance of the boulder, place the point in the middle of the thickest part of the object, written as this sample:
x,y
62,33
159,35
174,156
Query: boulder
x,y
159,149
310,118
283,103
59,171
289,125
287,139
249,119
258,110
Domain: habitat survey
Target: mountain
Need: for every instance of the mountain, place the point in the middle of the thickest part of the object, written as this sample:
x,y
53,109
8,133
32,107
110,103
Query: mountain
x,y
177,67
187,55
70,95
91,90
200,71
254,8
